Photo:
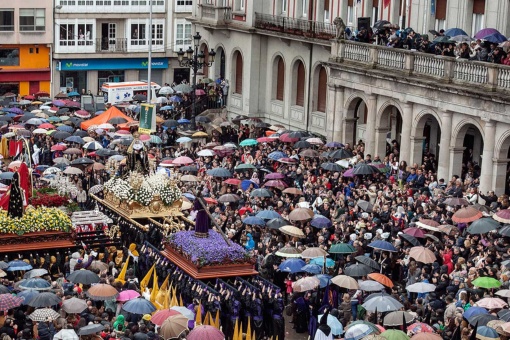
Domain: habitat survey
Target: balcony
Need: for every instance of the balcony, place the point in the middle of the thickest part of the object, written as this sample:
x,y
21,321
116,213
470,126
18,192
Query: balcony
x,y
116,45
491,77
295,27
214,16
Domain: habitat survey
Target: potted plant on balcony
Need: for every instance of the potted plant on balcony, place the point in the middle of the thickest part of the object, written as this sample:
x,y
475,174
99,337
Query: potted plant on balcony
x,y
309,34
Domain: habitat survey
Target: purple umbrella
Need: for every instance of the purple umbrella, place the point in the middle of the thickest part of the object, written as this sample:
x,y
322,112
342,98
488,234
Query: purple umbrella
x,y
320,221
495,38
274,175
58,103
349,173
485,32
334,145
16,110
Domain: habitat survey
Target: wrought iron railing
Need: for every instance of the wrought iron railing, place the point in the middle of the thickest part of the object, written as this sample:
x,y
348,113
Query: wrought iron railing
x,y
298,27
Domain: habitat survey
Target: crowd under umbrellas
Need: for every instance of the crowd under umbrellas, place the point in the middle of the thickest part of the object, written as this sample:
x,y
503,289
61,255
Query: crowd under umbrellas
x,y
327,233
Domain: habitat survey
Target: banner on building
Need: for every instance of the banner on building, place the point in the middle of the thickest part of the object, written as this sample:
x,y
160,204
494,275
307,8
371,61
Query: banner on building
x,y
386,3
433,7
147,119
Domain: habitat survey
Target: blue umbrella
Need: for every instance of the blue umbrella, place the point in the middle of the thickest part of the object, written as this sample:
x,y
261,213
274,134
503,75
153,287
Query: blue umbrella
x,y
334,145
319,221
183,121
139,306
75,139
334,324
65,128
312,269
219,172
176,99
246,184
183,140
167,107
35,284
18,265
254,220
189,196
320,261
268,215
455,31
6,175
325,280
276,155
495,38
41,167
383,245
487,332
292,266
73,94
27,295
474,311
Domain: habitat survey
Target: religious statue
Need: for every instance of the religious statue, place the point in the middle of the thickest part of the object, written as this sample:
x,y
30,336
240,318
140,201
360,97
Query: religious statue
x,y
340,28
137,157
202,220
16,198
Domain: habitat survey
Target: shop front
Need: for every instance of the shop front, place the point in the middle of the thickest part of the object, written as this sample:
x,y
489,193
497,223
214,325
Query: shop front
x,y
89,74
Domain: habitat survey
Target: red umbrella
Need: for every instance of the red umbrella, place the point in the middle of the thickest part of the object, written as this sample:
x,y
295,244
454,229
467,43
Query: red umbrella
x,y
47,126
204,332
210,200
416,232
502,216
288,160
244,210
58,147
466,215
71,103
182,160
286,139
199,92
160,316
275,183
29,97
232,181
274,175
265,140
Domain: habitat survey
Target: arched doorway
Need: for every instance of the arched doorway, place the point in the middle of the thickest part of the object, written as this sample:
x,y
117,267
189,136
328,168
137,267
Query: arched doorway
x,y
355,121
388,132
237,72
298,73
427,133
501,168
205,70
320,89
219,63
278,91
467,151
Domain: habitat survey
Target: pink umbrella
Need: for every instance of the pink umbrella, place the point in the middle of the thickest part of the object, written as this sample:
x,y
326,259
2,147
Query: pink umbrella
x,y
491,303
420,327
274,175
349,173
127,295
182,160
416,232
204,332
145,138
286,139
288,160
82,114
199,92
160,316
276,183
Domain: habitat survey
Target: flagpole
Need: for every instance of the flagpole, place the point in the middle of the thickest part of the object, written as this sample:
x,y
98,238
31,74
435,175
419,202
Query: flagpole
x,y
149,66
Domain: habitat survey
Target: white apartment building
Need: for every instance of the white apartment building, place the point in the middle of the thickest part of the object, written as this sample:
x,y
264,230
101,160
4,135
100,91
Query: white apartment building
x,y
97,41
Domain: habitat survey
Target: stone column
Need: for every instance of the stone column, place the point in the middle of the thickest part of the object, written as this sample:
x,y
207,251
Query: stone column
x,y
338,114
380,145
405,136
416,147
443,168
499,175
330,111
349,131
371,125
455,162
488,154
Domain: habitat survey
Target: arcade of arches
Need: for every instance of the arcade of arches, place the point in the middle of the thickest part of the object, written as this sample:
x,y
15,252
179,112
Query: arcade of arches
x,y
461,144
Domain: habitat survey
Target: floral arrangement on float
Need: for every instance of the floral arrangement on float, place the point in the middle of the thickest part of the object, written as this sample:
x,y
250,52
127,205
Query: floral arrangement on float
x,y
209,251
35,220
154,193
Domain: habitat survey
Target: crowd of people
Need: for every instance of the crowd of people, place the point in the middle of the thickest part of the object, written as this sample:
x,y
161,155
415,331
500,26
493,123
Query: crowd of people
x,y
377,208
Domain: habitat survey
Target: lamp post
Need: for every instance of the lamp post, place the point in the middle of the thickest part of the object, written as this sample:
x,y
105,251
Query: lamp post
x,y
195,60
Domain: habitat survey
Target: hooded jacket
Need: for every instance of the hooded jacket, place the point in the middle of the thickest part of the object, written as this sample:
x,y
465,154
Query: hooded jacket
x,y
447,261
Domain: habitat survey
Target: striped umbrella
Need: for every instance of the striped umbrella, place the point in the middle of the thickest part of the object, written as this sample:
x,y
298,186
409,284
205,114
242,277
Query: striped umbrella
x,y
43,314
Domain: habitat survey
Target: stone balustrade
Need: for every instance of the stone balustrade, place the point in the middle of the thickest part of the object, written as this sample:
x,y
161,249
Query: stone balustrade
x,y
452,70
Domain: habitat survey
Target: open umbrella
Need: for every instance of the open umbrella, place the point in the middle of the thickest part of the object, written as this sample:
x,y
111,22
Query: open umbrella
x,y
422,254
74,305
160,316
219,172
44,314
292,231
102,291
415,232
358,332
261,192
204,332
330,263
383,245
27,295
381,278
305,284
127,295
420,327
397,318
18,265
342,248
340,154
45,299
483,226
139,306
456,201
421,287
365,206
35,284
292,266
383,303
301,214
411,239
8,301
364,169
313,252
90,329
345,281
394,334
173,326
277,223
268,214
289,252
466,215
358,270
491,303
370,286
502,216
486,333
35,273
473,311
254,220
66,334
481,319
312,269
319,221
333,322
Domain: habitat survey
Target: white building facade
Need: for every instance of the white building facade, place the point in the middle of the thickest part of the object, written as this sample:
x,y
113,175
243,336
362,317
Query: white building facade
x,y
283,65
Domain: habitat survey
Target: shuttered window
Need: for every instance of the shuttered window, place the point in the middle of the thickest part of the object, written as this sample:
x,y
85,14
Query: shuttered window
x,y
205,69
350,3
326,5
239,73
300,84
322,90
441,9
280,79
479,7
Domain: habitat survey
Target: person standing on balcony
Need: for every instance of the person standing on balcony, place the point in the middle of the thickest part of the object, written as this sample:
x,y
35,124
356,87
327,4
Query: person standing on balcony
x,y
224,89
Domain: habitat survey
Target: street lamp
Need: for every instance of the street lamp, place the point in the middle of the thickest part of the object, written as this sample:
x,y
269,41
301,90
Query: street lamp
x,y
195,59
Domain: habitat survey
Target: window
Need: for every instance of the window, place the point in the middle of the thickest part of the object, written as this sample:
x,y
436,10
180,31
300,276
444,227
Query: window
x,y
350,13
322,90
375,14
7,20
157,34
68,2
182,35
300,84
138,36
326,10
238,59
284,6
85,3
478,15
72,34
9,56
305,8
280,79
121,3
31,19
67,35
183,5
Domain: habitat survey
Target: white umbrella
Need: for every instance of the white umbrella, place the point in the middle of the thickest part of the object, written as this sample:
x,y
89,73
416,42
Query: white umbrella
x,y
206,153
106,126
66,334
184,311
383,303
370,286
73,171
421,287
166,90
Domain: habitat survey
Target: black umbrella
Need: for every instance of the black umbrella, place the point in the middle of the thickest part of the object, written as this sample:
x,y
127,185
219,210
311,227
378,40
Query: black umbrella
x,y
443,39
505,231
330,166
170,123
325,154
106,152
358,270
61,135
483,226
5,119
340,154
139,97
219,172
298,134
277,223
504,315
82,161
368,262
481,319
62,110
262,125
90,329
75,121
4,290
27,116
262,192
80,133
365,205
126,141
75,139
302,145
45,300
364,169
411,239
202,119
189,168
85,277
380,24
117,120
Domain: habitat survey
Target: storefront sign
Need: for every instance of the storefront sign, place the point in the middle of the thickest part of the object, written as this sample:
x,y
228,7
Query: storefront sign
x,y
111,64
147,119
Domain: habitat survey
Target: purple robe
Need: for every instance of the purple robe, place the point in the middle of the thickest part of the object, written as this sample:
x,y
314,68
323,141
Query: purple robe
x,y
202,219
